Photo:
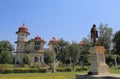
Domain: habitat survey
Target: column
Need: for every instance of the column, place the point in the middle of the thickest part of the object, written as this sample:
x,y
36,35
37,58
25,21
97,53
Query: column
x,y
39,59
31,60
42,58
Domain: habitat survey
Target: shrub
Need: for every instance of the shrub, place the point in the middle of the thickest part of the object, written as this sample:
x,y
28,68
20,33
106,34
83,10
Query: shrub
x,y
77,69
42,70
32,70
110,64
23,70
17,70
8,65
63,69
6,70
81,69
60,69
68,69
118,67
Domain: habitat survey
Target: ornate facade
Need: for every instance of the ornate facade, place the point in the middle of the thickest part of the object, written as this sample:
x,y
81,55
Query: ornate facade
x,y
34,47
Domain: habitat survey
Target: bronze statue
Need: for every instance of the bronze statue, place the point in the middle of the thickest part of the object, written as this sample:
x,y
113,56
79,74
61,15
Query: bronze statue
x,y
94,34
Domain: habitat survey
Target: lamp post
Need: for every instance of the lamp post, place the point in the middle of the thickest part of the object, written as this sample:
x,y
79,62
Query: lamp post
x,y
116,66
54,67
56,51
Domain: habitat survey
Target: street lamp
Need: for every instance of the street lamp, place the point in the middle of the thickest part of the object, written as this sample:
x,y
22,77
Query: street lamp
x,y
54,67
116,66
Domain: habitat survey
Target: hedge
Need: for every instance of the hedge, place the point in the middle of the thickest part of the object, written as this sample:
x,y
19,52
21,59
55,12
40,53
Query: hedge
x,y
23,70
63,69
80,69
43,70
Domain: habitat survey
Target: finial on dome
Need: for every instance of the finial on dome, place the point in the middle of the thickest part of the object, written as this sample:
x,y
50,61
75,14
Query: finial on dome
x,y
23,24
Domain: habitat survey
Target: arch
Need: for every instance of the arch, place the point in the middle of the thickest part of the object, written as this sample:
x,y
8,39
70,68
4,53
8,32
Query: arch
x,y
36,59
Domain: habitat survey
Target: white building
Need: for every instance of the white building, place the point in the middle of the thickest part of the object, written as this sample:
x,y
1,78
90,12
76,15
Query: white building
x,y
34,47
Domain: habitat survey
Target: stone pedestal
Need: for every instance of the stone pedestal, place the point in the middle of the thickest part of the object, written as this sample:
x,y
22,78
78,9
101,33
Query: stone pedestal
x,y
110,76
98,67
98,64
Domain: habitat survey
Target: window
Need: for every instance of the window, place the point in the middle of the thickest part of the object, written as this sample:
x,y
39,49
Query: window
x,y
19,36
37,45
36,59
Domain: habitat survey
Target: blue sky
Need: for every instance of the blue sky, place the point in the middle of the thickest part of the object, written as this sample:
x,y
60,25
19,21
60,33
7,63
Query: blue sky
x,y
67,19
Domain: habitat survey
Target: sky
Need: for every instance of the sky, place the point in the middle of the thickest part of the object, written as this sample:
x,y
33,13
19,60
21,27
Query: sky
x,y
67,19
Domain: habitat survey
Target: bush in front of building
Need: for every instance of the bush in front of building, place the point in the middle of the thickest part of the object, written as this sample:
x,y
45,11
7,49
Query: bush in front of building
x,y
63,69
23,70
44,70
77,69
6,70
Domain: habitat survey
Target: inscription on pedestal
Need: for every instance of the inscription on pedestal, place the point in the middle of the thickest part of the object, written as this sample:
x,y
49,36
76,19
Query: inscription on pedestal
x,y
93,57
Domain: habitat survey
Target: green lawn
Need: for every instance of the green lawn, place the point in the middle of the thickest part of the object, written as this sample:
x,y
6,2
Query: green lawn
x,y
57,75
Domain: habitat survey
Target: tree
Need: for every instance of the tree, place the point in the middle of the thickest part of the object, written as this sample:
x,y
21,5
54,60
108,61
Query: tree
x,y
105,36
116,43
6,50
74,53
84,58
25,59
68,53
62,54
6,57
49,58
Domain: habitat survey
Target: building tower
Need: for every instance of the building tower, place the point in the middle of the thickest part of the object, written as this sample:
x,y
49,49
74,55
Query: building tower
x,y
52,44
21,43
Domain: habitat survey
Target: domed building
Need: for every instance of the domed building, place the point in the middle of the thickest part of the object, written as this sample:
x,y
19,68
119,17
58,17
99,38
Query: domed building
x,y
34,47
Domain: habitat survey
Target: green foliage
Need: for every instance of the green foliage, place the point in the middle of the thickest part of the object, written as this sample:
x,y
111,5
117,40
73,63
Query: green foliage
x,y
63,69
6,49
68,53
105,36
43,70
23,70
19,70
5,71
49,58
116,43
118,59
110,60
6,57
81,69
63,52
7,65
26,59
74,53
6,46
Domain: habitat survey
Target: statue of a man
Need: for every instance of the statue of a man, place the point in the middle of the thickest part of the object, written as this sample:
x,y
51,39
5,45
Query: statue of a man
x,y
94,34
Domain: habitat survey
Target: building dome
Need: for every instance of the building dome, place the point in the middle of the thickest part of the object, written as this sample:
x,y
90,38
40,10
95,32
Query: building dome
x,y
53,40
23,28
37,38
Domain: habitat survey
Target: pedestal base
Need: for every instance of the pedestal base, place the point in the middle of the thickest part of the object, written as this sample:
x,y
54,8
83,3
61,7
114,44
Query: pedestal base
x,y
98,64
110,76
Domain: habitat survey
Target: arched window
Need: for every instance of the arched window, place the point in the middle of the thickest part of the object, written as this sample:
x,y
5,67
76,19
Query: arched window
x,y
36,59
37,45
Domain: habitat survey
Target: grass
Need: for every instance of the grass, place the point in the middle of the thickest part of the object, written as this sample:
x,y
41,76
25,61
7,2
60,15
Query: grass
x,y
57,75
115,71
